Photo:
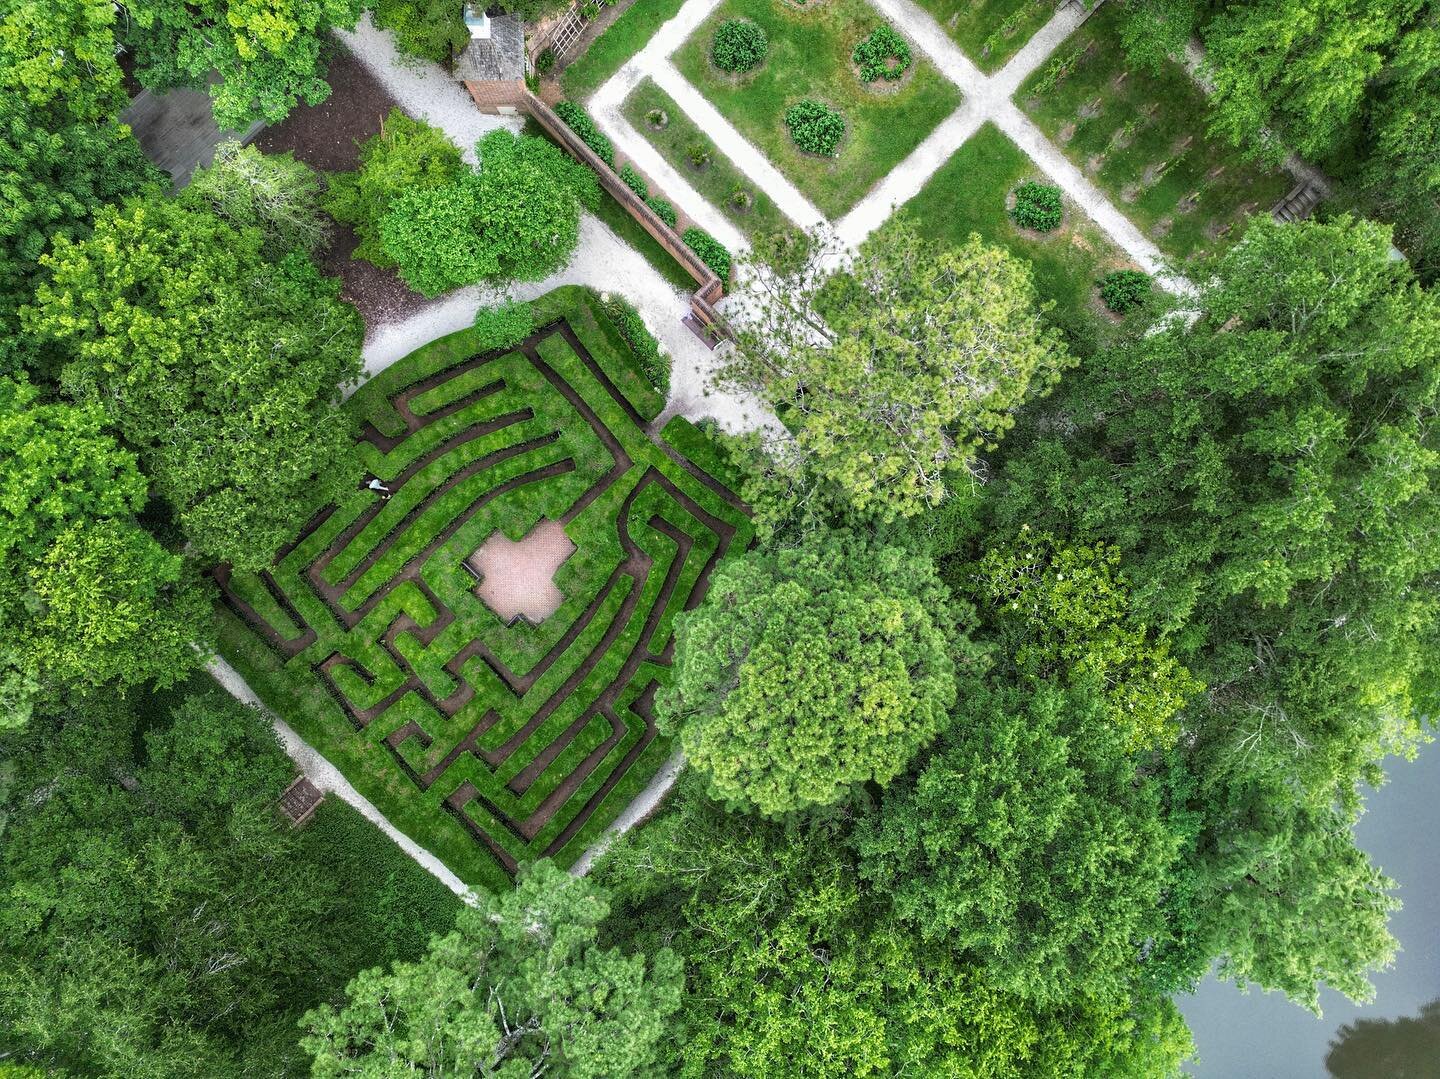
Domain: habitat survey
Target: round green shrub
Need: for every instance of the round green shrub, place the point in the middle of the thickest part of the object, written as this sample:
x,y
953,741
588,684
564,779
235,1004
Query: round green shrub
x,y
711,251
1124,290
502,326
1037,206
578,121
739,45
663,210
884,54
815,127
634,181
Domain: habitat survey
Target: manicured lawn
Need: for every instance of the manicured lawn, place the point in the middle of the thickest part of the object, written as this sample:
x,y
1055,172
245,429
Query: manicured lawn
x,y
624,37
1141,137
717,181
809,57
990,31
491,743
968,195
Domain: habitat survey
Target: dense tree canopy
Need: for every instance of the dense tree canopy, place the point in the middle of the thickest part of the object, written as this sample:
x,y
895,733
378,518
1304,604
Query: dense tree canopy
x,y
270,192
1272,473
87,597
270,56
519,988
220,367
896,370
405,156
793,969
1032,842
812,669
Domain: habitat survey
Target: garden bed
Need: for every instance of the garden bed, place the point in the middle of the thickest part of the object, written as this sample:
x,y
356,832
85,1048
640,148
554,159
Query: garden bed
x,y
717,181
491,744
970,194
990,32
809,57
1140,136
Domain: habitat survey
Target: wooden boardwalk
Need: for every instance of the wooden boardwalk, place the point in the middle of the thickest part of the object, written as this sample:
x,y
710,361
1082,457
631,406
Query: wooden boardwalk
x,y
177,130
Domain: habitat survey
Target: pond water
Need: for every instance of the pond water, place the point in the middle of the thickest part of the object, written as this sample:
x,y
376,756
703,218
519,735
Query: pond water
x,y
1264,1036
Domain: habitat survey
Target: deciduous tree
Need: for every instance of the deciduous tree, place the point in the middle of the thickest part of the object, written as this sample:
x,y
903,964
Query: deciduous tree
x,y
223,369
1032,843
812,669
270,192
520,987
895,370
270,56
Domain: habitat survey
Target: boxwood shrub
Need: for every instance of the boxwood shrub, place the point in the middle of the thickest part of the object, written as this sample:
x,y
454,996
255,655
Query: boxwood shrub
x,y
663,210
884,54
634,181
711,251
1037,206
739,45
502,326
578,121
1124,290
815,127
654,364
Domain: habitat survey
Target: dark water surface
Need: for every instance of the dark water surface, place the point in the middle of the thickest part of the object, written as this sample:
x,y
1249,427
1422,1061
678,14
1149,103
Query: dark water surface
x,y
1264,1036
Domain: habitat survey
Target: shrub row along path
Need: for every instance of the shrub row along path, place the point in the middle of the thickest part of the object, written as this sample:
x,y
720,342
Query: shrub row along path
x,y
986,98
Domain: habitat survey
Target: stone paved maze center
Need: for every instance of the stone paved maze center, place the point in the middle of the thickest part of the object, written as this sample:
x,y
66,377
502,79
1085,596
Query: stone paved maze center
x,y
493,742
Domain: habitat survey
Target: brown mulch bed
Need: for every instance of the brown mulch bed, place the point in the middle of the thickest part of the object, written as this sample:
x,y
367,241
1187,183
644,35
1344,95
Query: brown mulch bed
x,y
328,137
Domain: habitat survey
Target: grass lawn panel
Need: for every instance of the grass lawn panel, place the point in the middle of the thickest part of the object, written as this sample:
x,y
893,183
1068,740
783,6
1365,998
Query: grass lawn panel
x,y
718,181
990,31
621,40
809,57
492,744
1141,137
968,194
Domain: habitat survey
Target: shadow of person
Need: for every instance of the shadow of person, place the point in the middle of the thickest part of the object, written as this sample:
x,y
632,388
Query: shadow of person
x,y
1405,1048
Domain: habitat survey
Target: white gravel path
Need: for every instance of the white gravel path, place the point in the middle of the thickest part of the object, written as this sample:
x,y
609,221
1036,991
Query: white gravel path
x,y
640,807
328,778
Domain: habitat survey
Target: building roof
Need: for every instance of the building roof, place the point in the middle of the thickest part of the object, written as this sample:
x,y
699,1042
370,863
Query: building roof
x,y
498,58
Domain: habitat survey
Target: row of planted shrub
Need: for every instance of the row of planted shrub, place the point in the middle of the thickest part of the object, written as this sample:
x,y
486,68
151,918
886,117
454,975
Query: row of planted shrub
x,y
710,250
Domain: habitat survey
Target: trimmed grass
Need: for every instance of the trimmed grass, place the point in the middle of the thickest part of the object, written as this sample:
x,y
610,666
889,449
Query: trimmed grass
x,y
968,195
417,516
719,180
1142,139
809,57
607,54
990,31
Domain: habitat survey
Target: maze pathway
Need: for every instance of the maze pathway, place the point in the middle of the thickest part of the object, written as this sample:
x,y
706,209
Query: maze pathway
x,y
518,734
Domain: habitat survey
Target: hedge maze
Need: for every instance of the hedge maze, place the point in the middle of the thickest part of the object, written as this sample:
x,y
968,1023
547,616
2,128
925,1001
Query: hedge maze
x,y
493,743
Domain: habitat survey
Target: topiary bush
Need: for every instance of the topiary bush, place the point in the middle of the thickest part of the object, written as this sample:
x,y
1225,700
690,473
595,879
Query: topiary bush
x,y
502,326
815,127
634,181
1124,290
1037,206
884,54
654,364
578,121
663,210
739,45
711,251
